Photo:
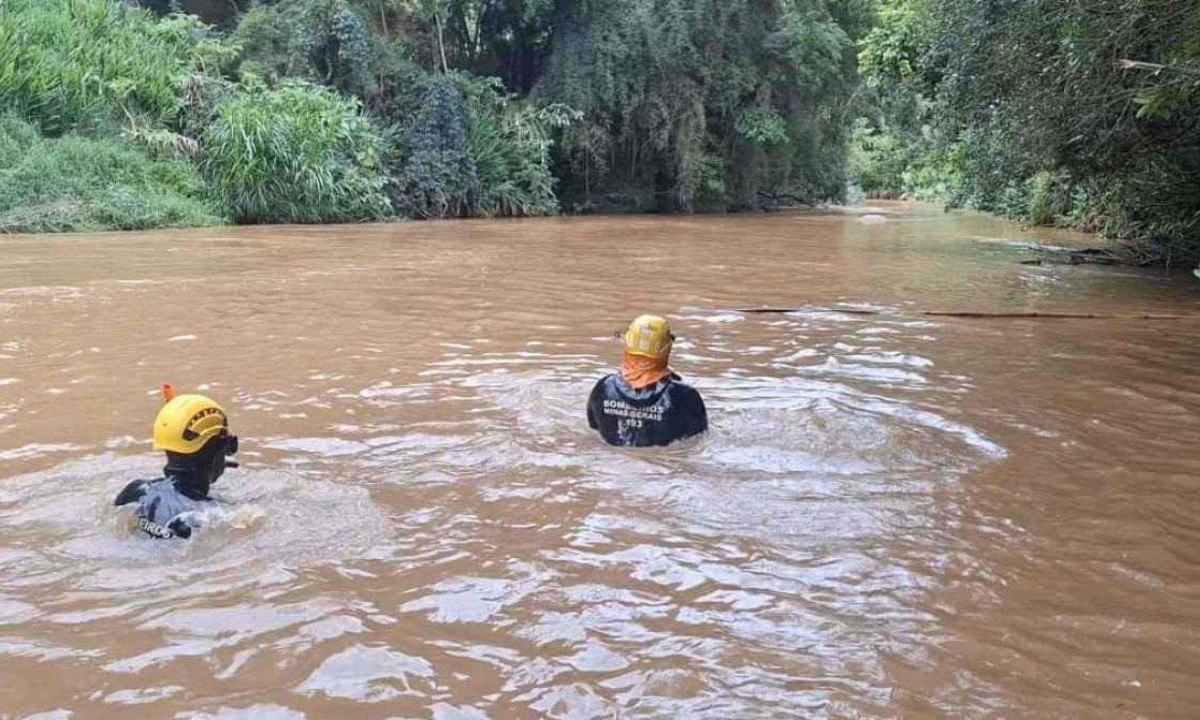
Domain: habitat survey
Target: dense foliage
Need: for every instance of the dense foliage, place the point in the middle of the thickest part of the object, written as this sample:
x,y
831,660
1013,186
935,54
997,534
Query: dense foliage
x,y
1052,111
80,184
74,64
297,153
703,103
338,110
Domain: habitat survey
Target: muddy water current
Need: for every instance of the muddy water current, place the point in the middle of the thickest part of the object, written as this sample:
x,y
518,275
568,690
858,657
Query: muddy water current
x,y
894,515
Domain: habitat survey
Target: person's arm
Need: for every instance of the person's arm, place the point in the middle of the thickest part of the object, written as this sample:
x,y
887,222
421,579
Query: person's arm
x,y
183,524
131,494
699,414
592,406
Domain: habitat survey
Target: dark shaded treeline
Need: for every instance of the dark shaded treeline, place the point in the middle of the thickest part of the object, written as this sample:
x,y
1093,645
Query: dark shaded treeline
x,y
675,105
1084,114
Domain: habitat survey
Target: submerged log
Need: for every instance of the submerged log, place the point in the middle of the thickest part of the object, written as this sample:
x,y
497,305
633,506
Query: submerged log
x,y
1095,256
1031,314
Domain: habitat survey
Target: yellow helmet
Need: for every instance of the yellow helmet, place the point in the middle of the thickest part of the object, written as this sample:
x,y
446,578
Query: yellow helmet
x,y
649,336
186,422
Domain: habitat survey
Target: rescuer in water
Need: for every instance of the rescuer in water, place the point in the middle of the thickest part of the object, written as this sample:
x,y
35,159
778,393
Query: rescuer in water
x,y
194,432
646,403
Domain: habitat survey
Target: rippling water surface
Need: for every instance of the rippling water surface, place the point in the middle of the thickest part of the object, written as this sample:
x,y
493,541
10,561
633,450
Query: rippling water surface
x,y
893,516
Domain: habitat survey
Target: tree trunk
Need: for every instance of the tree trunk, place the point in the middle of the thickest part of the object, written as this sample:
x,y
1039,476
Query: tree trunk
x,y
437,16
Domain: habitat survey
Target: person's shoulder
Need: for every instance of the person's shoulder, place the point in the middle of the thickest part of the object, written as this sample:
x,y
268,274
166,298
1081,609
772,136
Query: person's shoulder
x,y
604,383
132,492
679,387
685,395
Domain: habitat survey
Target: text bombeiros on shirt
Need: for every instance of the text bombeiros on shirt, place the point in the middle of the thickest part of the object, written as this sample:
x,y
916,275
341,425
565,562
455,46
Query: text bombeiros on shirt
x,y
618,408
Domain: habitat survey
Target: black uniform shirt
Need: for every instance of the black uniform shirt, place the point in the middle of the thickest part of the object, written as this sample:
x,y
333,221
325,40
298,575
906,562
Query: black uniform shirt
x,y
658,415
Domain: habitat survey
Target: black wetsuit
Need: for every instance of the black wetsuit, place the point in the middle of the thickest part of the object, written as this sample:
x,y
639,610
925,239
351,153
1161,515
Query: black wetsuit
x,y
166,507
658,415
173,506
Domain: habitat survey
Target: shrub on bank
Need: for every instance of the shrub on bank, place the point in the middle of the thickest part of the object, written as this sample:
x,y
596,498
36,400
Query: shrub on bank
x,y
468,150
434,172
68,64
298,153
877,161
511,143
86,184
1051,112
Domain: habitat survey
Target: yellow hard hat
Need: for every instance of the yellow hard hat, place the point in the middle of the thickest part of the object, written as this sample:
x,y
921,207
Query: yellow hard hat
x,y
649,336
186,422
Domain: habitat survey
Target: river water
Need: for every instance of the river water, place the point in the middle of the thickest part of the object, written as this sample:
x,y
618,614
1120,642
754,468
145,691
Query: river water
x,y
895,515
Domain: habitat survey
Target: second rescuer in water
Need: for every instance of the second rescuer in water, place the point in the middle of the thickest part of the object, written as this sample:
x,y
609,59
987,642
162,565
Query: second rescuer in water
x,y
194,432
646,403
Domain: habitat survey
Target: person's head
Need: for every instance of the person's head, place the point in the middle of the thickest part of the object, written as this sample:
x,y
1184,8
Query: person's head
x,y
194,433
649,336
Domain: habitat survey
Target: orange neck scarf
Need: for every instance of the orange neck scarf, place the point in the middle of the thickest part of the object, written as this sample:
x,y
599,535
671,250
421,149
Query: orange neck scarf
x,y
642,372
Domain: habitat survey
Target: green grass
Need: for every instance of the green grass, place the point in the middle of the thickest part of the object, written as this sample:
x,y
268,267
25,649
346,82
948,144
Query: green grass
x,y
77,64
79,184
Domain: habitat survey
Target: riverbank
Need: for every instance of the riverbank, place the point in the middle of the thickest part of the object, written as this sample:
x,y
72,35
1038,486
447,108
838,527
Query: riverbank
x,y
330,112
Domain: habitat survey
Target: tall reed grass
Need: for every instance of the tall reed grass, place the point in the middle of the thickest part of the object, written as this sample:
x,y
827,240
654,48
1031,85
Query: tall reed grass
x,y
298,153
78,64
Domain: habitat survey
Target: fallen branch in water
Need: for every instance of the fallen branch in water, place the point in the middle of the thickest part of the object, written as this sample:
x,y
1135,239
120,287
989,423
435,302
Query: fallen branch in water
x,y
1127,254
983,315
1056,315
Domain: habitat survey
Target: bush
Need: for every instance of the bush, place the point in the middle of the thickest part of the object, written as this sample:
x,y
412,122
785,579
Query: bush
x,y
299,153
323,41
435,172
469,150
85,184
16,138
67,64
510,142
877,161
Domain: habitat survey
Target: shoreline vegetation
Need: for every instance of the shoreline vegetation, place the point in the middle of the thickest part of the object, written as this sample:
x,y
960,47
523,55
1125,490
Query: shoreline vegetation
x,y
183,113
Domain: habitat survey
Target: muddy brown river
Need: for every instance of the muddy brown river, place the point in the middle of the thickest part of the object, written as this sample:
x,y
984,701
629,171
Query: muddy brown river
x,y
894,515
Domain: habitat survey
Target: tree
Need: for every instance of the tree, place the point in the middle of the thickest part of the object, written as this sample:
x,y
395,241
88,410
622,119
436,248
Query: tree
x,y
703,103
